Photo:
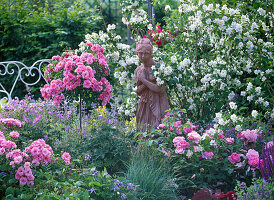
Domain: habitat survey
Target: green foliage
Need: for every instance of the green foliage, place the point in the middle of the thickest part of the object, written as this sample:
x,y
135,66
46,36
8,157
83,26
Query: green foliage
x,y
152,174
31,32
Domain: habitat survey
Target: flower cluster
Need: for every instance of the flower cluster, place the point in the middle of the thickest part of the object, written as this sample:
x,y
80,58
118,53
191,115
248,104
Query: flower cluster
x,y
40,152
24,175
181,144
134,16
66,157
10,122
249,135
72,71
21,161
17,156
159,36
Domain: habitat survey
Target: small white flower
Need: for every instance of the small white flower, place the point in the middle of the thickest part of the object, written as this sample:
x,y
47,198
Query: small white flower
x,y
173,59
249,86
167,8
263,78
231,96
189,153
261,11
218,115
238,128
234,118
249,98
222,122
243,93
213,143
266,103
159,81
249,45
199,148
111,27
233,105
240,45
168,70
258,89
208,21
150,27
238,28
254,113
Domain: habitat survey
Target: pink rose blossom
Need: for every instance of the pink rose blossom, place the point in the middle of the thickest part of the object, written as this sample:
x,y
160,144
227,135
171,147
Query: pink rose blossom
x,y
253,161
18,160
181,144
30,183
252,153
250,135
207,155
194,136
229,140
234,157
10,122
189,128
177,123
20,171
162,126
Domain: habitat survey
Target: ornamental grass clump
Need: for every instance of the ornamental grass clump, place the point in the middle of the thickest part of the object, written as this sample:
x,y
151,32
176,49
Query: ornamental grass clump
x,y
152,175
267,163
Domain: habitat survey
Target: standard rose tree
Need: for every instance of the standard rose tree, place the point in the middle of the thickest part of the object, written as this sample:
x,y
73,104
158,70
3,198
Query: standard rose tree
x,y
74,75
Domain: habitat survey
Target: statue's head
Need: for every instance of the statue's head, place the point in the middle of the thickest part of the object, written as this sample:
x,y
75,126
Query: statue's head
x,y
144,45
144,50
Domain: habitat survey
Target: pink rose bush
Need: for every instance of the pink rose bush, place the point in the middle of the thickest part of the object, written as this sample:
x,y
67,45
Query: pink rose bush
x,y
233,153
21,161
71,71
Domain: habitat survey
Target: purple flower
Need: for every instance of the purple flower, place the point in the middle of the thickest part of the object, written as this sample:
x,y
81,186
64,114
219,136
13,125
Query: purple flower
x,y
115,187
87,157
86,118
37,119
106,174
85,170
95,173
123,196
92,190
46,137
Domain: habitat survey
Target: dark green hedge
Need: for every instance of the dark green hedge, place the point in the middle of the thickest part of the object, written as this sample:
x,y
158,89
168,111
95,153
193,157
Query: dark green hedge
x,y
33,30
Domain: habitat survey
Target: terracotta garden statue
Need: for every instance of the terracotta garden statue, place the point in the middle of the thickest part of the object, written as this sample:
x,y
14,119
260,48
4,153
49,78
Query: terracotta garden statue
x,y
154,102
